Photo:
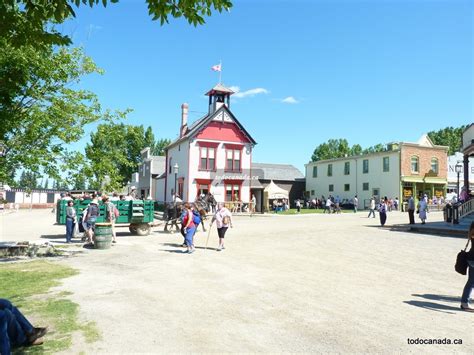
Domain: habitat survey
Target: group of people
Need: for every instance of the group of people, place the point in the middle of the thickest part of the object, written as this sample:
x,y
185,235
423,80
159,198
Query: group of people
x,y
280,204
191,218
89,217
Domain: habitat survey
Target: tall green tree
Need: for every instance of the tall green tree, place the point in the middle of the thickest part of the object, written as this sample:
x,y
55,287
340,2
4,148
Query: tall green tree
x,y
449,136
114,151
159,146
29,180
375,149
40,110
333,148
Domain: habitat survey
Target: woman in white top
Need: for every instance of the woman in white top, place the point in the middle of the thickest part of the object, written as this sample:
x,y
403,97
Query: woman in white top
x,y
422,209
223,219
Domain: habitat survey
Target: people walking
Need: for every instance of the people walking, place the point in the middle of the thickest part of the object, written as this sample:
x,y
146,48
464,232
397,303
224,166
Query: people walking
x,y
90,218
372,208
356,203
71,219
383,210
223,219
188,227
411,210
328,205
423,209
468,288
298,206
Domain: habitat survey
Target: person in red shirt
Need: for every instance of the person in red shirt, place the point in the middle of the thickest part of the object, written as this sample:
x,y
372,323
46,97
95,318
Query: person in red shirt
x,y
188,228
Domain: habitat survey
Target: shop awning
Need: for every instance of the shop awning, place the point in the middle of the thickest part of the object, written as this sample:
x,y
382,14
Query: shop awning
x,y
412,179
434,180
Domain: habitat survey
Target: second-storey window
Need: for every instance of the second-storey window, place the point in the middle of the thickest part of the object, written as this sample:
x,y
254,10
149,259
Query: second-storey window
x,y
208,159
347,168
415,164
233,160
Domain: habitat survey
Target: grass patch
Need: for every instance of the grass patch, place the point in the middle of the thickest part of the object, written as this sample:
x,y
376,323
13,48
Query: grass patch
x,y
21,281
309,211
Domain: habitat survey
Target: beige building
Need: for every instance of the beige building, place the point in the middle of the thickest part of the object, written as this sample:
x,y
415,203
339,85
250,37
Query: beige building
x,y
403,170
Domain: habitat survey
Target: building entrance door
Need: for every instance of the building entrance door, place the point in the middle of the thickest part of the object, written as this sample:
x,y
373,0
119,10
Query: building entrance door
x,y
376,194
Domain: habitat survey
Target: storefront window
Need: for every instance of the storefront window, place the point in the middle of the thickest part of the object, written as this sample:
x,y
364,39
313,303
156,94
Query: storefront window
x,y
232,192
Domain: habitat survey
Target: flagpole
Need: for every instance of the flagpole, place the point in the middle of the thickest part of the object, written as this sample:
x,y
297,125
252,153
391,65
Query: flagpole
x,y
220,72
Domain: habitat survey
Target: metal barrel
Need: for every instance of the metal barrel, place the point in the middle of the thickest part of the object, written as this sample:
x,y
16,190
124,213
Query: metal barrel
x,y
103,236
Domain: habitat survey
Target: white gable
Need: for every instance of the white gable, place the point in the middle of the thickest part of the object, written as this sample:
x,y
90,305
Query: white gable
x,y
223,117
425,141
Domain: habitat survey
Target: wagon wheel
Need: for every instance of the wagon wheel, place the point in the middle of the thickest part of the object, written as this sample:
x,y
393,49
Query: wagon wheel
x,y
133,229
143,229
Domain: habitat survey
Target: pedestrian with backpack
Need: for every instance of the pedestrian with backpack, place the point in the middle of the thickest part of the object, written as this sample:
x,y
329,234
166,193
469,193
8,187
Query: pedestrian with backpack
x,y
111,214
189,227
91,216
223,219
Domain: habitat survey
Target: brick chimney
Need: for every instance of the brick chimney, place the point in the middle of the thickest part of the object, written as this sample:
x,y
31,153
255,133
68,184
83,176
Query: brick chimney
x,y
184,119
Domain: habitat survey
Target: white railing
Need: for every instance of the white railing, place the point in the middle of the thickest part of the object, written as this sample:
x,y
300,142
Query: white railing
x,y
466,208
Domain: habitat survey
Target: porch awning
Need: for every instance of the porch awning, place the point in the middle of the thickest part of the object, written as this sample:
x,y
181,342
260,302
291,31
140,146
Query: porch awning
x,y
434,180
412,179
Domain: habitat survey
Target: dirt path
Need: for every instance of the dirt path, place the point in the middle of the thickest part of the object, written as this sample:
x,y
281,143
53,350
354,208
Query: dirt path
x,y
284,284
309,283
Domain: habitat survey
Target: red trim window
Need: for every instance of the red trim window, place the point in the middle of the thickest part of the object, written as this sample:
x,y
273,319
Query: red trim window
x,y
207,159
232,191
233,160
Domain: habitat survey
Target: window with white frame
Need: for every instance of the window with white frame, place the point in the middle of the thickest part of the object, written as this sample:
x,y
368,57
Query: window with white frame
x,y
208,159
233,158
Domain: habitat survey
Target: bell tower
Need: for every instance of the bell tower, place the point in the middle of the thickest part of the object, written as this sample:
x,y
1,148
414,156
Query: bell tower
x,y
219,95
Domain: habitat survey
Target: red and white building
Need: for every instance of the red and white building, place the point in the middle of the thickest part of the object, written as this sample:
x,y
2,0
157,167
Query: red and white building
x,y
214,154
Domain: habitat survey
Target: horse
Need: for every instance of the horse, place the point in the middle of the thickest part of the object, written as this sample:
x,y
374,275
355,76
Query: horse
x,y
171,214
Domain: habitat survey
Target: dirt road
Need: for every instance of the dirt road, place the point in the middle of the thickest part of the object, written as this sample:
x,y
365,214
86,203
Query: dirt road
x,y
309,283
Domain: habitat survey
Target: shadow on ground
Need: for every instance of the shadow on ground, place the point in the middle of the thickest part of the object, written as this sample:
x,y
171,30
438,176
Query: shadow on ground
x,y
433,306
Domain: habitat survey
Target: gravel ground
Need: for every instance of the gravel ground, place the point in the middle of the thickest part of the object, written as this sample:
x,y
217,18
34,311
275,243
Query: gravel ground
x,y
307,283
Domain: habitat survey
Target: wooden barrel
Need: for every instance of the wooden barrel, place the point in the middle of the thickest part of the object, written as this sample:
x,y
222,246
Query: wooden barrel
x,y
103,236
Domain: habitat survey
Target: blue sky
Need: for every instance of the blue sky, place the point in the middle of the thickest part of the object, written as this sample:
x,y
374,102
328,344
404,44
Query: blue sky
x,y
370,71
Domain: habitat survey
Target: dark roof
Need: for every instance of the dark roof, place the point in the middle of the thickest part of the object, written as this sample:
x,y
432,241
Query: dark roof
x,y
282,172
219,88
200,123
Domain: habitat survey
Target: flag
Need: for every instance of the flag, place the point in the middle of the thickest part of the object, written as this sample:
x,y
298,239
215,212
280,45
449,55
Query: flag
x,y
217,67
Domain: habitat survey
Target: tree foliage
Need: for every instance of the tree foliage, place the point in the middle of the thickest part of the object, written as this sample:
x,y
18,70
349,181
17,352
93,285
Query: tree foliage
x,y
333,148
449,136
339,148
40,111
114,153
29,180
29,17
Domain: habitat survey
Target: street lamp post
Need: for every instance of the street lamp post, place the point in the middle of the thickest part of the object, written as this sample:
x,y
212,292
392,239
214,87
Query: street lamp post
x,y
458,169
176,170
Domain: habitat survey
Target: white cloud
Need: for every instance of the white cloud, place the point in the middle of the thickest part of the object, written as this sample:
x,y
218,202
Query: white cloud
x,y
290,100
248,93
